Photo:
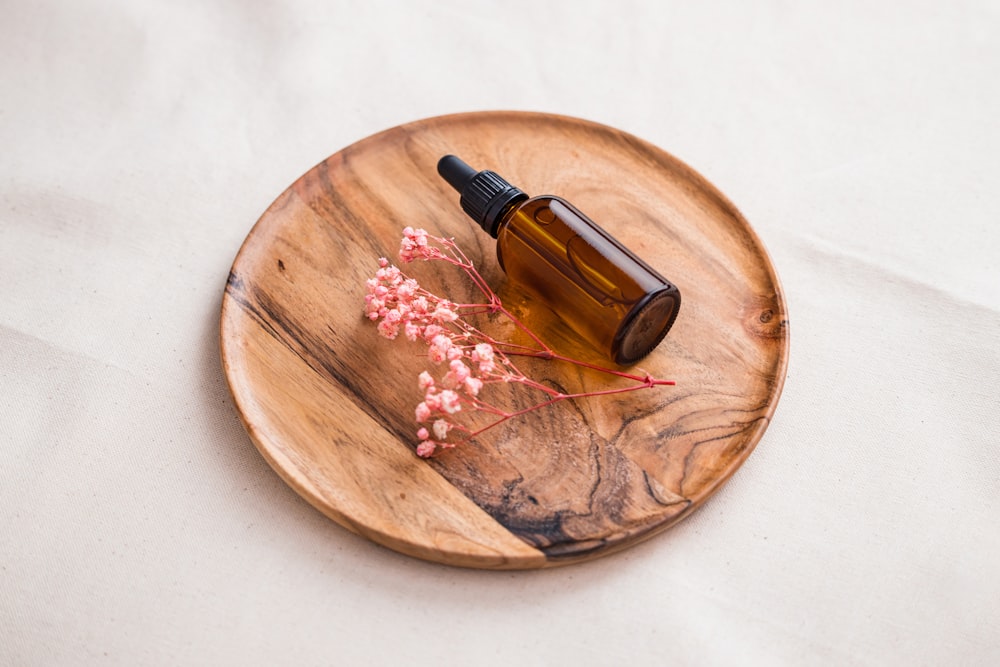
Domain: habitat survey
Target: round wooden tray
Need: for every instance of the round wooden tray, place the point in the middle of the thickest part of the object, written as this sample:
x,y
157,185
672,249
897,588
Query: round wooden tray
x,y
329,403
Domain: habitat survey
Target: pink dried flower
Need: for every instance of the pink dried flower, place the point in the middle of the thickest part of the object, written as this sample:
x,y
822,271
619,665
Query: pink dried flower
x,y
444,314
431,331
406,290
473,386
457,374
388,329
412,331
414,245
441,428
425,380
483,355
450,401
439,348
425,448
432,399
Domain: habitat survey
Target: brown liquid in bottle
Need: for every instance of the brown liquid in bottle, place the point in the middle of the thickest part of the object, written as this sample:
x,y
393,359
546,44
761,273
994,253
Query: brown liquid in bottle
x,y
599,288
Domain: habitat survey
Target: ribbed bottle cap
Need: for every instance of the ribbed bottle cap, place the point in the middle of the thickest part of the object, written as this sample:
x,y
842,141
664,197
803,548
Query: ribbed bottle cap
x,y
484,195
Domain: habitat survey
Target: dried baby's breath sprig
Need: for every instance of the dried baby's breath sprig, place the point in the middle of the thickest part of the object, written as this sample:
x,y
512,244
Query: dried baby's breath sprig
x,y
473,359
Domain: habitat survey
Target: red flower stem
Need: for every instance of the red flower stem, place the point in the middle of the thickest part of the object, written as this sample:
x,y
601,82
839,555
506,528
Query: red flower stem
x,y
504,416
546,352
495,305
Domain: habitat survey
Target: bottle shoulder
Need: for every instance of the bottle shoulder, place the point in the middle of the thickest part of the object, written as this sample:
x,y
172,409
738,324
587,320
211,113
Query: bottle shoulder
x,y
529,208
544,199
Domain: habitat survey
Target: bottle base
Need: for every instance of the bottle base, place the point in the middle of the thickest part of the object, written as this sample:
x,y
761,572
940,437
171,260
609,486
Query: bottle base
x,y
646,325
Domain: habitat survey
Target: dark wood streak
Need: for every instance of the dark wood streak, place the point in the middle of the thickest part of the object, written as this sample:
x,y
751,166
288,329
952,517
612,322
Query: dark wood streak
x,y
617,500
313,350
727,435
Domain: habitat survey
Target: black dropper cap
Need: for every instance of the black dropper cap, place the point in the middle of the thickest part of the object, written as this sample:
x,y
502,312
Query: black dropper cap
x,y
485,196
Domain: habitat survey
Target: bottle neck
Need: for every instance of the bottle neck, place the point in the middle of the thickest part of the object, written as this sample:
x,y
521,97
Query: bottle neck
x,y
501,213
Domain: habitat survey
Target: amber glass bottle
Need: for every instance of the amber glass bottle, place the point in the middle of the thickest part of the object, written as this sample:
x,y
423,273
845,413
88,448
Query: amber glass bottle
x,y
597,286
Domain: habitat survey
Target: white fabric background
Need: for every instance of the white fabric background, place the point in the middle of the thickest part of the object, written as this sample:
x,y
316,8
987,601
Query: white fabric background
x,y
139,141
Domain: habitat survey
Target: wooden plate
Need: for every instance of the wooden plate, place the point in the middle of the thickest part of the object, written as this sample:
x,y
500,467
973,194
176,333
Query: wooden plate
x,y
330,404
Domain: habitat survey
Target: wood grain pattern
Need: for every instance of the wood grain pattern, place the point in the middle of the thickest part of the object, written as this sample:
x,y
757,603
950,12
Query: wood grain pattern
x,y
330,404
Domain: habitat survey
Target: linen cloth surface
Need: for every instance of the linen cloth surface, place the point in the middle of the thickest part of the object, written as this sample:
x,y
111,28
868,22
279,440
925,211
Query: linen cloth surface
x,y
139,142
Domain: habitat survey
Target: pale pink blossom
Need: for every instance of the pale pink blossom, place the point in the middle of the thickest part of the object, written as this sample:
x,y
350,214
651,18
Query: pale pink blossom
x,y
425,380
388,329
412,331
450,401
425,448
389,274
431,331
444,314
457,374
483,355
422,412
406,290
422,433
441,428
473,386
414,245
420,305
432,399
438,351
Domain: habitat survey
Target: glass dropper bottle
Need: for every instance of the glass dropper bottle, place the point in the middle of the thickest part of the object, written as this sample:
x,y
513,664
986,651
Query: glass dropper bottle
x,y
597,286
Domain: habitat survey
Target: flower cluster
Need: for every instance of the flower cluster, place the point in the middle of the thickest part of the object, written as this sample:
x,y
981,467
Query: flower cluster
x,y
472,358
416,245
398,303
395,301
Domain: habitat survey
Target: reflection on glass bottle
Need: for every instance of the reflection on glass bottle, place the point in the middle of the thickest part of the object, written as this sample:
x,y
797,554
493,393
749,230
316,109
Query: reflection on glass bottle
x,y
597,286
